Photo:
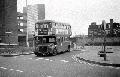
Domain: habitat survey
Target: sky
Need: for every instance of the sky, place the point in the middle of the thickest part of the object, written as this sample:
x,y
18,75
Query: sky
x,y
78,13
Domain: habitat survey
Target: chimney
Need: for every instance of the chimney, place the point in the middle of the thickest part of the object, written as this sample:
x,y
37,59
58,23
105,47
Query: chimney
x,y
111,23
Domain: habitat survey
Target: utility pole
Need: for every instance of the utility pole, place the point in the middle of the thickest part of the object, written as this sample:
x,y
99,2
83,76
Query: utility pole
x,y
27,29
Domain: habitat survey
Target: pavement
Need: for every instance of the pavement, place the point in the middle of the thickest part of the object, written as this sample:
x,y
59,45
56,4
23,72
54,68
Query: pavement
x,y
90,55
15,52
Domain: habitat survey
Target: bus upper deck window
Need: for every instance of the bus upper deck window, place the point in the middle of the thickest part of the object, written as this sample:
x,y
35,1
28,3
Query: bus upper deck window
x,y
41,26
36,26
45,25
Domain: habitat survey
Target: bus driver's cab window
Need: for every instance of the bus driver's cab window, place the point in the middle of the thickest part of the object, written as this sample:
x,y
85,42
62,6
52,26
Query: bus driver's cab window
x,y
44,40
58,39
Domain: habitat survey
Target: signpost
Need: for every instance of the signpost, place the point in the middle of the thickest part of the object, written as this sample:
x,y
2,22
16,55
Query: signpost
x,y
103,52
104,45
104,38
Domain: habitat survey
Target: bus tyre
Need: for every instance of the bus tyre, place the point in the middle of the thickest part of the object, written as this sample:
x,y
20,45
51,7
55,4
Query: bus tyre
x,y
36,53
68,48
54,52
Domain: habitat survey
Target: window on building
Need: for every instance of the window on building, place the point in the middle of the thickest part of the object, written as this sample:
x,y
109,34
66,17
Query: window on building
x,y
21,24
18,23
107,26
21,17
21,30
18,18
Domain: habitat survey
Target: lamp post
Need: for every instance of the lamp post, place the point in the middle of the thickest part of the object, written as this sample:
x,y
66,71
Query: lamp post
x,y
104,38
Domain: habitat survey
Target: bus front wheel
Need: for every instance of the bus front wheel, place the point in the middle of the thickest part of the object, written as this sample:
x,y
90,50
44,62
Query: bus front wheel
x,y
54,51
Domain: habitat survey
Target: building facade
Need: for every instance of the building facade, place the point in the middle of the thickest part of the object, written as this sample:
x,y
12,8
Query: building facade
x,y
8,22
111,29
22,28
111,32
34,13
26,22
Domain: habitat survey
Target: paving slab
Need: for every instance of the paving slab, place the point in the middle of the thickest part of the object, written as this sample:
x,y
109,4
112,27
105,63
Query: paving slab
x,y
112,59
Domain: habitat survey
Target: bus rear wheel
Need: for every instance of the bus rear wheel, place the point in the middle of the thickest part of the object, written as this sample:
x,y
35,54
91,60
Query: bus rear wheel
x,y
68,48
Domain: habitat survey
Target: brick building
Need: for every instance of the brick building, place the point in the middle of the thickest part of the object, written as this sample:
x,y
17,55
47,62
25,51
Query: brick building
x,y
112,29
8,22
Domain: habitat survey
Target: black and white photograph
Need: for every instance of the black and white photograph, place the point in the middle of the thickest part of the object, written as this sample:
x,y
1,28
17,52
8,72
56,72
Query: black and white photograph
x,y
59,38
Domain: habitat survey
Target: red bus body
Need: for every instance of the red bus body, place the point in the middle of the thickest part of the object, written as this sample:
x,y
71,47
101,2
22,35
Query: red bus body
x,y
51,37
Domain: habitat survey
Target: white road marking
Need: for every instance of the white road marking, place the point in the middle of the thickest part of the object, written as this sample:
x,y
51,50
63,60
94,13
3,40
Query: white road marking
x,y
3,67
36,59
64,60
49,76
11,69
19,70
50,60
39,58
46,59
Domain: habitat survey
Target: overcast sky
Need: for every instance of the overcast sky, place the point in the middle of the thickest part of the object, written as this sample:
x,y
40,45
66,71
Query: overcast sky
x,y
79,13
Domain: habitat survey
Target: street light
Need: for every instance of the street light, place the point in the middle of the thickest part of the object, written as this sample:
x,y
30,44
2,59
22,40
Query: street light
x,y
104,37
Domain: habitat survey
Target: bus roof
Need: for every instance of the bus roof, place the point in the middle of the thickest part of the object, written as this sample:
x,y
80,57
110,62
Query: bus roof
x,y
39,21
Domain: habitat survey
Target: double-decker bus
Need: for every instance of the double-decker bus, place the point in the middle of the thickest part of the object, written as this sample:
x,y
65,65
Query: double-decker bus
x,y
51,37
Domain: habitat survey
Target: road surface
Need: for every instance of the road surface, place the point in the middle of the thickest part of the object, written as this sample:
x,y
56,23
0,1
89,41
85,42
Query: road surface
x,y
62,65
